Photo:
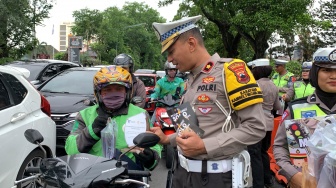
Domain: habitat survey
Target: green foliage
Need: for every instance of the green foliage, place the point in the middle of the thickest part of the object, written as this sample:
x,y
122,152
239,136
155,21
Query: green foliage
x,y
61,56
253,20
327,28
5,60
127,30
17,25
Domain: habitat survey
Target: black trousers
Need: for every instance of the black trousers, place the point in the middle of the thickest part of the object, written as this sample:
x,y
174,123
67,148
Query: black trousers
x,y
184,179
260,162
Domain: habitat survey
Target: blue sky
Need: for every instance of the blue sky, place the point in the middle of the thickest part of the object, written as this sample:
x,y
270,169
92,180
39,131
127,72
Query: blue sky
x,y
62,11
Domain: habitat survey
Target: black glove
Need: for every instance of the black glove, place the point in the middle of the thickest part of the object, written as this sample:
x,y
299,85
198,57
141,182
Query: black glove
x,y
147,157
99,124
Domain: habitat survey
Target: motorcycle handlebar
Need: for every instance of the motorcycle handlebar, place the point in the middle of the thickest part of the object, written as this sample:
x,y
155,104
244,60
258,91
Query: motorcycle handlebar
x,y
138,173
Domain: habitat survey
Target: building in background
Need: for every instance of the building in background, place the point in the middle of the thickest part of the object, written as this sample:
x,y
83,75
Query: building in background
x,y
65,31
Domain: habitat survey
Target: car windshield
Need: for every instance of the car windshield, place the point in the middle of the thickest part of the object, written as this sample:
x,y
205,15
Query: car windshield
x,y
147,80
72,82
34,69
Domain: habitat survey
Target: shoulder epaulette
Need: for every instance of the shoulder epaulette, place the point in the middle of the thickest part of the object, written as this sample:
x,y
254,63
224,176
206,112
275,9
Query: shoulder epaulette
x,y
225,60
208,67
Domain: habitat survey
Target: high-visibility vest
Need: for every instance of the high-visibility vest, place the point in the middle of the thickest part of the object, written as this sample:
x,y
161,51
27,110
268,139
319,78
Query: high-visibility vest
x,y
282,81
302,89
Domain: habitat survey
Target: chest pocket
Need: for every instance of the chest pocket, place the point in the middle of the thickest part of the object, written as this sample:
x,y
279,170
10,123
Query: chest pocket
x,y
205,98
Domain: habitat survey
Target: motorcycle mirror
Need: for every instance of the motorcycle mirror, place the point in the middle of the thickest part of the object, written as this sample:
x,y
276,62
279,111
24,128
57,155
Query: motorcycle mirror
x,y
137,100
146,140
143,140
33,136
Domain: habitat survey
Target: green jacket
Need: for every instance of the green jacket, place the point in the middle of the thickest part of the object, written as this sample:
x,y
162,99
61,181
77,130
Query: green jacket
x,y
83,140
164,87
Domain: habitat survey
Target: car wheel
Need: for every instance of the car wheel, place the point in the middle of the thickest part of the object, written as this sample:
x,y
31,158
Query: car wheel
x,y
32,160
169,156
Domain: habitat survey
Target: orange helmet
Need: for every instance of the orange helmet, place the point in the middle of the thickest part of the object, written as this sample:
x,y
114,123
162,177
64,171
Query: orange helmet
x,y
112,75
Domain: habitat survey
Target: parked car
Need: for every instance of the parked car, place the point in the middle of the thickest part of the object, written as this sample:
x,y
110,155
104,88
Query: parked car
x,y
22,107
145,71
149,80
42,69
161,74
68,92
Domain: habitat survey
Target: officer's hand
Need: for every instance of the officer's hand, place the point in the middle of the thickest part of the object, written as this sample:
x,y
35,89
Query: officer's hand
x,y
164,139
296,180
191,144
146,157
99,124
284,96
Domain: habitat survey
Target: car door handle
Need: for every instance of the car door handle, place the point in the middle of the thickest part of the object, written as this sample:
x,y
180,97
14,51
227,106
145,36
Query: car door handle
x,y
18,116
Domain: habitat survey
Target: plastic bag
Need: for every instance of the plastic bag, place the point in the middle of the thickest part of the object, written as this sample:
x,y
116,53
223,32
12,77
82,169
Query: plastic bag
x,y
328,173
282,107
108,138
321,142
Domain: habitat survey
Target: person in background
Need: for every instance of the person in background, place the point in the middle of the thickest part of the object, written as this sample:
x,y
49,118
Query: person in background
x,y
260,162
322,102
112,89
302,88
283,79
169,83
206,162
139,89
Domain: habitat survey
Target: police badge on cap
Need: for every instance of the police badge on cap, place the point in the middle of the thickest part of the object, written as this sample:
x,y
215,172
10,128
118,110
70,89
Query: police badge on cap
x,y
167,33
325,57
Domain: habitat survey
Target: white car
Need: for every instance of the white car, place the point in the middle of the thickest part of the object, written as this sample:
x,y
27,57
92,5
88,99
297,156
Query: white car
x,y
21,108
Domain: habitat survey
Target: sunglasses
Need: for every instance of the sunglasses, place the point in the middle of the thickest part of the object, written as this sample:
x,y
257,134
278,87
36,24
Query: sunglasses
x,y
305,70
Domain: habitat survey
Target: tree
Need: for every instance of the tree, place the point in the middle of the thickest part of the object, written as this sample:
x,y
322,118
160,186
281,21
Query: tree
x,y
327,12
18,19
127,30
253,20
87,23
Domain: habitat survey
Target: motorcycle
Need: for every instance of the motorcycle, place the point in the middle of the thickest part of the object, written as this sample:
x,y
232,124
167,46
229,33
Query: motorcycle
x,y
163,121
85,170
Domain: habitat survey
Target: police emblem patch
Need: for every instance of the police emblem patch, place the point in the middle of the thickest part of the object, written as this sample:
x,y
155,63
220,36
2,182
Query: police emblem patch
x,y
208,79
313,98
207,68
203,98
214,166
332,56
239,70
204,110
308,114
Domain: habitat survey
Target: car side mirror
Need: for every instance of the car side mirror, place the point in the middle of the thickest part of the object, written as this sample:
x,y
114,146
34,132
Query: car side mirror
x,y
137,100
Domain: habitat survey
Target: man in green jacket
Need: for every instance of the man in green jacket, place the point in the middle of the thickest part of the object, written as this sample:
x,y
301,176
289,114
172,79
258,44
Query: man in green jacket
x,y
112,89
169,83
283,79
